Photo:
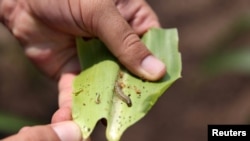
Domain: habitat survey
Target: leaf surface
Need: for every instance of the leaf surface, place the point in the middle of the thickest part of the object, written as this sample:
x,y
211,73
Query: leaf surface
x,y
106,90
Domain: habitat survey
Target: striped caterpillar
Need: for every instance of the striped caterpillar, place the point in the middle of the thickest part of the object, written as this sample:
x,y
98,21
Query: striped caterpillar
x,y
119,93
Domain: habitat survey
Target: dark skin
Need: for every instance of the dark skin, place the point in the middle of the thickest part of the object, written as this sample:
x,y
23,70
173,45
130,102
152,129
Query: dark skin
x,y
47,29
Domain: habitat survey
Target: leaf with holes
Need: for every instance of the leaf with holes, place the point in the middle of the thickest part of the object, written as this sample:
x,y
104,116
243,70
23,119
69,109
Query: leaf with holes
x,y
106,90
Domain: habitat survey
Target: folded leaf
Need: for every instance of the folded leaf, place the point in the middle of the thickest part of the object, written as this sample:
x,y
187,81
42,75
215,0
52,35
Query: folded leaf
x,y
106,90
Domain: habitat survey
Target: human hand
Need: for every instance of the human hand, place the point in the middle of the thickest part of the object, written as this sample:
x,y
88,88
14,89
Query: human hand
x,y
47,30
64,131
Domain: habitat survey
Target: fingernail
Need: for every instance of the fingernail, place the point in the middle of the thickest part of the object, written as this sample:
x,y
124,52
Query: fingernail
x,y
154,67
67,131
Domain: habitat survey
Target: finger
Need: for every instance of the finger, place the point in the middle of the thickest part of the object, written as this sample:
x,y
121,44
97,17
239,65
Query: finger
x,y
139,15
102,19
65,98
122,41
65,131
65,89
144,19
62,114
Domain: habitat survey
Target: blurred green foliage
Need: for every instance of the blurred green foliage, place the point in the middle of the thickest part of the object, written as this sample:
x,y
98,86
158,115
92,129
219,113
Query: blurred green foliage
x,y
10,123
232,60
230,56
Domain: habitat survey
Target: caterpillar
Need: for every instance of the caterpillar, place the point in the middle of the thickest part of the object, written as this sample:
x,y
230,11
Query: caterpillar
x,y
121,95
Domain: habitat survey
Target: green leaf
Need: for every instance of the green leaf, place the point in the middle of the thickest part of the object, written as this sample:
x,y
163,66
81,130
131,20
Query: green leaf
x,y
106,90
11,123
233,60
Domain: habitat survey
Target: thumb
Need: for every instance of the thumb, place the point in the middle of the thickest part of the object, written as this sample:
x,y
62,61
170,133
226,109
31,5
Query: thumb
x,y
64,131
122,41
